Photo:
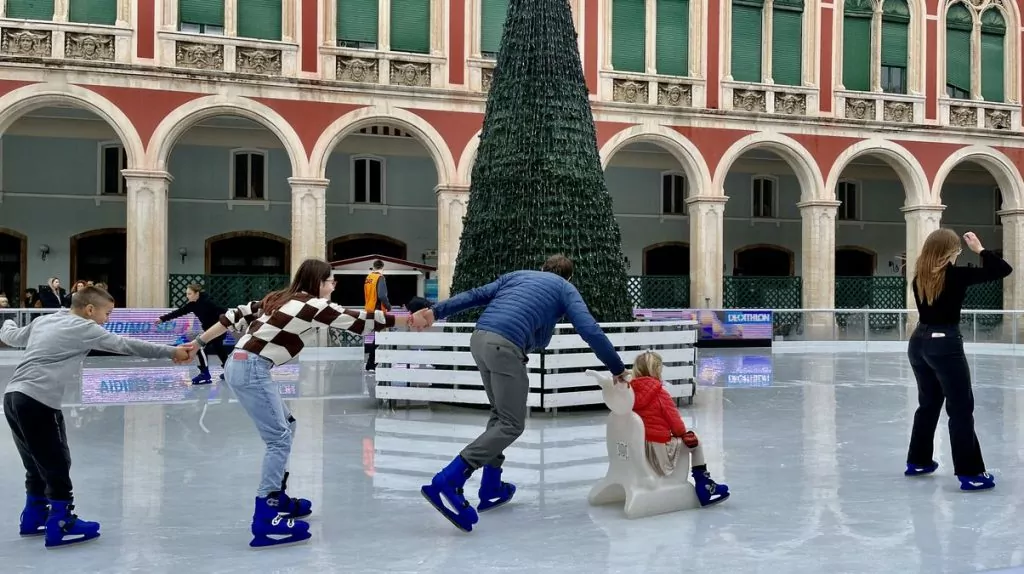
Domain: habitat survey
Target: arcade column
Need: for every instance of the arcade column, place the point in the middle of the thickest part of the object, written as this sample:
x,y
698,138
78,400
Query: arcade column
x,y
707,215
921,221
147,237
818,264
1013,286
451,208
309,219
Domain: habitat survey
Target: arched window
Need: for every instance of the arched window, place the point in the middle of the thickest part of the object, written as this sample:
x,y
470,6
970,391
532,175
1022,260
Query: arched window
x,y
747,40
895,42
672,37
492,24
356,24
993,47
787,42
958,51
857,16
858,23
201,16
629,36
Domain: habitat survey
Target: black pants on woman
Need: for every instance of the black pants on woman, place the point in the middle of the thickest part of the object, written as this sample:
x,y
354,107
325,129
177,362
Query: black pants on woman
x,y
940,367
215,347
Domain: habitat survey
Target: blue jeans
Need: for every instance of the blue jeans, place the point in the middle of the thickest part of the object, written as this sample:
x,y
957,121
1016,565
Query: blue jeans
x,y
248,375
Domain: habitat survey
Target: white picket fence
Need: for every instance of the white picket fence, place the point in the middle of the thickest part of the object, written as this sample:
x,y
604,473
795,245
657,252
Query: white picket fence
x,y
436,365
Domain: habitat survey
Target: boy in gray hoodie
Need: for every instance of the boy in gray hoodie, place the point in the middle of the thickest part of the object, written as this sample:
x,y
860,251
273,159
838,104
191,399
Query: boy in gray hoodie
x,y
55,347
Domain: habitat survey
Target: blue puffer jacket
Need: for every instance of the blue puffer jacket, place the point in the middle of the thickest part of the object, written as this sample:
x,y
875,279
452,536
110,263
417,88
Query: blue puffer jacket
x,y
523,307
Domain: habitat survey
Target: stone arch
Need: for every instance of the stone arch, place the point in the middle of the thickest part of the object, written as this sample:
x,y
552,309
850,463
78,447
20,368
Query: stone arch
x,y
799,159
187,115
1001,167
351,122
906,166
665,245
687,154
21,101
766,247
399,249
213,239
467,159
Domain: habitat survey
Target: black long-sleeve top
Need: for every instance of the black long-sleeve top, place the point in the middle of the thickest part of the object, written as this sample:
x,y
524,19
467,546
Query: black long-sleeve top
x,y
945,310
204,308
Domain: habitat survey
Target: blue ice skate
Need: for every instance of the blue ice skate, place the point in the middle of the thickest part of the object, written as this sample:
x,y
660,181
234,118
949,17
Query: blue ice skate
x,y
919,470
203,378
292,507
494,492
63,527
33,518
270,528
708,491
982,481
448,484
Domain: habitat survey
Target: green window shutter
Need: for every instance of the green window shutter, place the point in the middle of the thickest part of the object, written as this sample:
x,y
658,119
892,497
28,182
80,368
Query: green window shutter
x,y
30,9
259,19
629,35
356,21
410,26
746,42
856,60
895,30
673,37
787,45
93,11
993,35
209,12
492,23
958,47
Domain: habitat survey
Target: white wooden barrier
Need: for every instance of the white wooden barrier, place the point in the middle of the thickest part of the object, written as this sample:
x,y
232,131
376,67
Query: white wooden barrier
x,y
436,365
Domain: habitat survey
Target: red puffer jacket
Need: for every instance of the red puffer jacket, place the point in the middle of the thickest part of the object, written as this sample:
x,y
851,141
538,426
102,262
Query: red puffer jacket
x,y
655,406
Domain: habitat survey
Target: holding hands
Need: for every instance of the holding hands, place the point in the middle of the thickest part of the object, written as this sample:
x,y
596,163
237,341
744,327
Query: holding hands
x,y
185,353
422,319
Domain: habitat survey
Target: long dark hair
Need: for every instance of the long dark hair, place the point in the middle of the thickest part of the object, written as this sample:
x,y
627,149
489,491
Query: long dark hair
x,y
311,274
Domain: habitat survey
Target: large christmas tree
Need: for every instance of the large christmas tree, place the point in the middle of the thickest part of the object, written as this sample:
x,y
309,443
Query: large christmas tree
x,y
538,187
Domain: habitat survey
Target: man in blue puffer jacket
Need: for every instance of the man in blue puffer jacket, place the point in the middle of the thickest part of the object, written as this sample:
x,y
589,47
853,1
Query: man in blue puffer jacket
x,y
522,309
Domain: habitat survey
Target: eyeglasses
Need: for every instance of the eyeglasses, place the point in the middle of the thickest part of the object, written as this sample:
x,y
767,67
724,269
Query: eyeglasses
x,y
331,280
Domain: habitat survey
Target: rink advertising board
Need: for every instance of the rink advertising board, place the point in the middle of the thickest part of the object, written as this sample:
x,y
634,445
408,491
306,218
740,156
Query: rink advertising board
x,y
728,327
139,324
120,385
735,369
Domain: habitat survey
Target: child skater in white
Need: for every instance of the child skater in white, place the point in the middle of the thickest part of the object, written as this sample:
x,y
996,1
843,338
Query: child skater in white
x,y
273,331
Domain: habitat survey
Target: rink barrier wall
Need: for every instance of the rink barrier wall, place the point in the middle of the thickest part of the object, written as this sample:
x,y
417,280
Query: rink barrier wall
x,y
437,366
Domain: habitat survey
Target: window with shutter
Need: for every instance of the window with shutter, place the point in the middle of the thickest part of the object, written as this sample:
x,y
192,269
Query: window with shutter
x,y
856,40
30,9
895,42
410,26
201,16
958,51
787,42
93,11
492,24
673,37
747,40
356,24
993,35
259,19
629,35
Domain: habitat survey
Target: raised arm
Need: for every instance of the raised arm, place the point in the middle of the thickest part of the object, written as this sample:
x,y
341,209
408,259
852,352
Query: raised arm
x,y
359,322
14,336
580,317
993,267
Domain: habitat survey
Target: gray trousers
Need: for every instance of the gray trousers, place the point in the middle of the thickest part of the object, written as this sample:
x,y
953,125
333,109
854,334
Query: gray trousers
x,y
502,367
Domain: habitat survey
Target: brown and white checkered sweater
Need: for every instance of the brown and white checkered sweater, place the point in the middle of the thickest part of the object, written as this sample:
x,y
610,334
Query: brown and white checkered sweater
x,y
278,337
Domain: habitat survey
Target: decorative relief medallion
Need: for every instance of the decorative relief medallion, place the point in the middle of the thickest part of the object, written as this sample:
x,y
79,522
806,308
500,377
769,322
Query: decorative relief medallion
x,y
749,101
963,117
899,112
997,119
358,70
630,91
92,47
410,74
486,79
676,95
860,109
791,104
199,56
257,61
30,43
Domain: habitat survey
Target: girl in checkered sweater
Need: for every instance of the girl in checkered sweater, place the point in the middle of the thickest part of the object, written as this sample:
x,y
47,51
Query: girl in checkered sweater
x,y
272,335
669,443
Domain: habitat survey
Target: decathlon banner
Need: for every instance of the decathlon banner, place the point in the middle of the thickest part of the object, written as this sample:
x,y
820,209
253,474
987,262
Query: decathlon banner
x,y
718,325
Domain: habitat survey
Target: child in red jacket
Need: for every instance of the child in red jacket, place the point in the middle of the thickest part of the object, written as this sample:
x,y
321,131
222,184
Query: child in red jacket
x,y
666,435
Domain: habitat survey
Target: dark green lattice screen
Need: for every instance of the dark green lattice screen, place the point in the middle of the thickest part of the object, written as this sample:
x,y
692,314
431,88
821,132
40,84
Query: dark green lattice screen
x,y
356,21
746,41
259,19
492,22
857,45
208,12
895,34
93,11
410,26
787,42
673,37
629,36
993,35
30,9
958,47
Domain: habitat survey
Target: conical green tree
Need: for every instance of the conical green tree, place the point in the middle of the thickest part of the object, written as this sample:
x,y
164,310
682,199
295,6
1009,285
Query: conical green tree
x,y
537,185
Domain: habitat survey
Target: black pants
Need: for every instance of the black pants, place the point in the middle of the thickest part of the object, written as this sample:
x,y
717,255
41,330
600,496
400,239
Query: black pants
x,y
937,356
371,355
216,347
42,442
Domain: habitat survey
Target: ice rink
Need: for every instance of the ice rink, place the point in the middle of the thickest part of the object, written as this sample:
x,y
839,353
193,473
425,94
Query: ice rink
x,y
812,447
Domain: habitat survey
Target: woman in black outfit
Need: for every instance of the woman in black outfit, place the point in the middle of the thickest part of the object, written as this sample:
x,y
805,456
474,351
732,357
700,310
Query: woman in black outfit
x,y
208,314
936,353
